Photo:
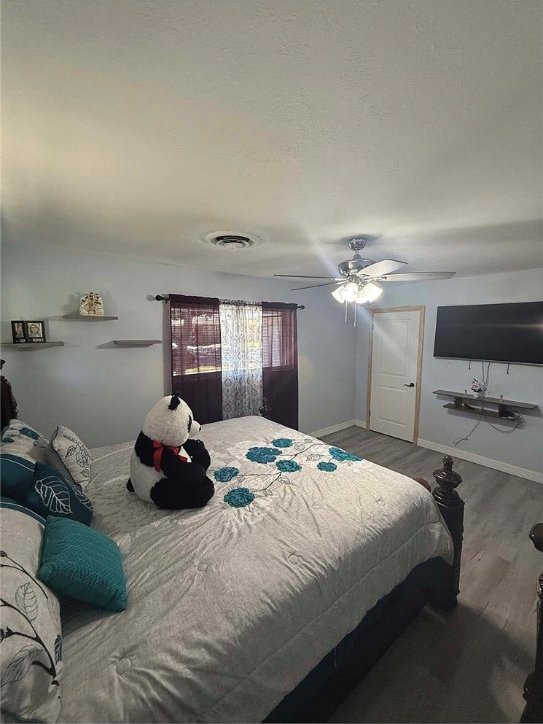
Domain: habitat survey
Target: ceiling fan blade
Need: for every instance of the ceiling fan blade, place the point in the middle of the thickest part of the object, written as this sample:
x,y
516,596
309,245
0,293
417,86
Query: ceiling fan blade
x,y
312,286
381,267
417,276
301,276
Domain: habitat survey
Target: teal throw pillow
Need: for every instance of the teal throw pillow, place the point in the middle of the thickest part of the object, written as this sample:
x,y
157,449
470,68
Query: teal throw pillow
x,y
51,494
16,475
82,563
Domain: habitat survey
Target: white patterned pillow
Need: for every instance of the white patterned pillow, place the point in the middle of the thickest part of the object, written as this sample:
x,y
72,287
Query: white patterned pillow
x,y
73,454
30,636
19,437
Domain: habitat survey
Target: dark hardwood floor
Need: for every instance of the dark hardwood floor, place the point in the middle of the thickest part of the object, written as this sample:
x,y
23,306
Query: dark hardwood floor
x,y
468,666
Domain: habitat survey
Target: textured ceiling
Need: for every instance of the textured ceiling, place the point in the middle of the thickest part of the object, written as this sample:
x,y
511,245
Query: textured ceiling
x,y
138,127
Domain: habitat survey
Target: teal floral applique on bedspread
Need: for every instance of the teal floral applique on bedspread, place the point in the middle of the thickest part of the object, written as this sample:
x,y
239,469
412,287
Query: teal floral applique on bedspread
x,y
262,455
282,442
296,455
342,455
327,467
225,475
239,497
288,466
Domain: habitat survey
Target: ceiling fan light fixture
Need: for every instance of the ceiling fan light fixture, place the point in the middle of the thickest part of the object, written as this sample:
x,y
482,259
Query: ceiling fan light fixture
x,y
338,295
372,291
349,291
361,296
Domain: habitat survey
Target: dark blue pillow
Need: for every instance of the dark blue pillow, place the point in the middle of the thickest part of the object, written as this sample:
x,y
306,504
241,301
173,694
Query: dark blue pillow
x,y
51,494
16,476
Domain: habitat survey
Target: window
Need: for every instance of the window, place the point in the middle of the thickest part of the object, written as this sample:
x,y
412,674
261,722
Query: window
x,y
196,338
198,356
278,332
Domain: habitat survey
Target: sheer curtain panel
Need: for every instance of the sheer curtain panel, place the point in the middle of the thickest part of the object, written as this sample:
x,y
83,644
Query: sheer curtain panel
x,y
241,330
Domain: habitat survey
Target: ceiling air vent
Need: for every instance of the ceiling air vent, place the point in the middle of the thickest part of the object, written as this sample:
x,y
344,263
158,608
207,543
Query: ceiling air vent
x,y
231,241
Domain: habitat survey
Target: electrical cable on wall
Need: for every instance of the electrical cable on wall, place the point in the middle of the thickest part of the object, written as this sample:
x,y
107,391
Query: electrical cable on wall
x,y
470,433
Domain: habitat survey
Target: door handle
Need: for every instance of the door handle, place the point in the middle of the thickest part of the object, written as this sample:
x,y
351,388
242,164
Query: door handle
x,y
411,384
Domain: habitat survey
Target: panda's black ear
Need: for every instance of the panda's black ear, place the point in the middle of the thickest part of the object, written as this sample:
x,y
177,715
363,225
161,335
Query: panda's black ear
x,y
174,403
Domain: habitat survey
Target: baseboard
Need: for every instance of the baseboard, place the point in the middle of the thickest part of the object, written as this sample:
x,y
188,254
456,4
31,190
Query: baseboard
x,y
336,428
480,460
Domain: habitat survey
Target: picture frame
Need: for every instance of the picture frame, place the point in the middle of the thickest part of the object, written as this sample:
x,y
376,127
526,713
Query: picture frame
x,y
18,331
34,331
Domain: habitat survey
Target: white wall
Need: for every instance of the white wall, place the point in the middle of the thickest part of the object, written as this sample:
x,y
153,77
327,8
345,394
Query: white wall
x,y
103,391
522,448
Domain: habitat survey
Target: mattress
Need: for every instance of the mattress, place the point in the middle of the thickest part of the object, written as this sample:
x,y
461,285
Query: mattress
x,y
230,606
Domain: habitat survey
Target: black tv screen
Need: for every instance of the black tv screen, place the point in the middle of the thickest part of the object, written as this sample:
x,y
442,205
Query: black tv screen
x,y
493,332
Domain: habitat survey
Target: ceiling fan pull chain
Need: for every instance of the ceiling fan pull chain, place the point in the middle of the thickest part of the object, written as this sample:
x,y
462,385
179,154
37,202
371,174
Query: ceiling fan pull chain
x,y
354,312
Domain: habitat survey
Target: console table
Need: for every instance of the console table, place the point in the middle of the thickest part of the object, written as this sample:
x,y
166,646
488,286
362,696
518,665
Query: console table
x,y
464,402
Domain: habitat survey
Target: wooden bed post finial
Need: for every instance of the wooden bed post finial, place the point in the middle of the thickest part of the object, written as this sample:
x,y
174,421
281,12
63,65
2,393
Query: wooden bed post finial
x,y
451,507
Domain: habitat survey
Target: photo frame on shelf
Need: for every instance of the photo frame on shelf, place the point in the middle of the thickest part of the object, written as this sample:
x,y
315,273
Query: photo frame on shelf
x,y
34,331
18,331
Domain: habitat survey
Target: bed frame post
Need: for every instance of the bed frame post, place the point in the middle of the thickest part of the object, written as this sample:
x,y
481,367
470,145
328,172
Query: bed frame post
x,y
451,506
533,688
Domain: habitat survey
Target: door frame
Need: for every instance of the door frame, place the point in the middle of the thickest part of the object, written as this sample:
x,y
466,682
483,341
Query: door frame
x,y
421,309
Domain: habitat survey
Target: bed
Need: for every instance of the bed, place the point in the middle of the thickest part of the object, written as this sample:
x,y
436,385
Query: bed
x,y
280,592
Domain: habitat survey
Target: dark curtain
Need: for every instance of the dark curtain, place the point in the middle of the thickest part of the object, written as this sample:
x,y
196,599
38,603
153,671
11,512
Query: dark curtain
x,y
280,362
196,354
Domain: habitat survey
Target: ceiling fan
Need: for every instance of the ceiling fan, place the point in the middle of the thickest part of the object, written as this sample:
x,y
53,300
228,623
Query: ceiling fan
x,y
360,279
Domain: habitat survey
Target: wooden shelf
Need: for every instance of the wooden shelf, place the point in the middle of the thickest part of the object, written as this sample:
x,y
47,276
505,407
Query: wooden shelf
x,y
32,345
464,402
136,342
87,318
491,400
477,411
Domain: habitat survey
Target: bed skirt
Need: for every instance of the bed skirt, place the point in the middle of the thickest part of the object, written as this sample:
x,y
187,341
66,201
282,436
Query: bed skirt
x,y
318,695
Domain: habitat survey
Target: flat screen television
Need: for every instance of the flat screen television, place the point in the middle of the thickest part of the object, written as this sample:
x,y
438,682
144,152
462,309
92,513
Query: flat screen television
x,y
491,332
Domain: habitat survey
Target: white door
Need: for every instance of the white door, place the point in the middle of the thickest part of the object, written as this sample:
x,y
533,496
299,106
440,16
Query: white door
x,y
394,373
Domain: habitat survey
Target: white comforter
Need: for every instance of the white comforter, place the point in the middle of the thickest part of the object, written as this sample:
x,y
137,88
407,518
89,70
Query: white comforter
x,y
230,607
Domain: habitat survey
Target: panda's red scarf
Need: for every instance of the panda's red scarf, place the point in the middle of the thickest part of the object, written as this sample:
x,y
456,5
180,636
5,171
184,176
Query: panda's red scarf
x,y
159,449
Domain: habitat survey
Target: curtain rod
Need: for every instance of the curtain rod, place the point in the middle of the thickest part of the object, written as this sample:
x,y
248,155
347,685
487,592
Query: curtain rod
x,y
166,298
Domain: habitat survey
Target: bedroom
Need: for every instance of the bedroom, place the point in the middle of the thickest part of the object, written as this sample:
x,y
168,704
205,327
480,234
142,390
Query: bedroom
x,y
135,134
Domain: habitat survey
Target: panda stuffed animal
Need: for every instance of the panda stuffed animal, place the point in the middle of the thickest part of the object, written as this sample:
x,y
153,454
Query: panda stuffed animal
x,y
167,468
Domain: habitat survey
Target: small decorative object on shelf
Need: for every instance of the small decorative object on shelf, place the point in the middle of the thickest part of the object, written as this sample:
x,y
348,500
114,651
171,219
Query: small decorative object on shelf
x,y
35,331
18,332
91,305
478,387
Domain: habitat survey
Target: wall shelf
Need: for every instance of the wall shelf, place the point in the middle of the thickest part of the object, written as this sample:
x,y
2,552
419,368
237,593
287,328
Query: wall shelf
x,y
464,402
87,318
32,345
136,342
